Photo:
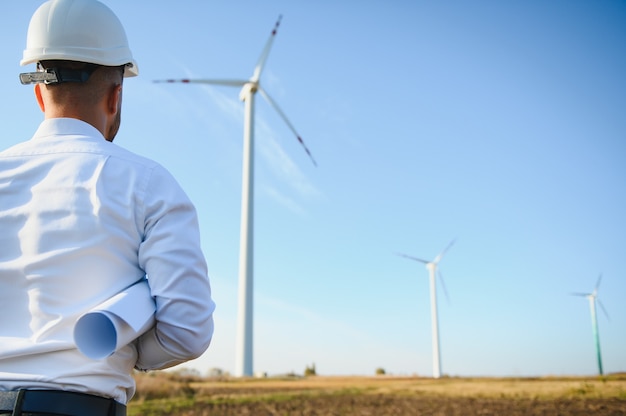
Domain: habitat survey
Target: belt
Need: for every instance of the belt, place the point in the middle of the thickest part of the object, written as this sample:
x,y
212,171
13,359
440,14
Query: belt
x,y
58,402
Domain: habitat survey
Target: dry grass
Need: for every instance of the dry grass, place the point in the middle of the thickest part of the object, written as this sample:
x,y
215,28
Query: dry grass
x,y
165,393
163,385
544,387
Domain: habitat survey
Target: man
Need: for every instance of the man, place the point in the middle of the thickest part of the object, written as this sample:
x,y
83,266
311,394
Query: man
x,y
82,219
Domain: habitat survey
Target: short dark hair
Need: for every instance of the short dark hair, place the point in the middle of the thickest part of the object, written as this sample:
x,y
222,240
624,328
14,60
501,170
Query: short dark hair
x,y
73,71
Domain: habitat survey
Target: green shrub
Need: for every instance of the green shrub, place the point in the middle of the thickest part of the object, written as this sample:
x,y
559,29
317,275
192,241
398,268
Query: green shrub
x,y
310,371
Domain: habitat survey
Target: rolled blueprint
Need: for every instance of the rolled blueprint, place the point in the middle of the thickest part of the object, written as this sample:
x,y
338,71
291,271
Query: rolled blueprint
x,y
115,322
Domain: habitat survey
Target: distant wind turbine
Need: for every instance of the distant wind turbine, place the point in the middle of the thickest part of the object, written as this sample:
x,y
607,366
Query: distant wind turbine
x,y
593,298
432,269
243,365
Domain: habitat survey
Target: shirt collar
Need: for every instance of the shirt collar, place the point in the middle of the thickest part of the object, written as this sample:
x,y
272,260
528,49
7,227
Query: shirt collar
x,y
66,127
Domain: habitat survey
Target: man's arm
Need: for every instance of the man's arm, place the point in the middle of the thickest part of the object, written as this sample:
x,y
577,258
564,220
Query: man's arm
x,y
177,274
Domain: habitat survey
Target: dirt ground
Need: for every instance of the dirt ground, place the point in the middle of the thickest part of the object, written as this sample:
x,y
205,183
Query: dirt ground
x,y
382,397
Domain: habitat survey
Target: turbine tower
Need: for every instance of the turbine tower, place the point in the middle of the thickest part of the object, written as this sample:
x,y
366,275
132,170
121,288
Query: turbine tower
x,y
593,298
431,266
249,87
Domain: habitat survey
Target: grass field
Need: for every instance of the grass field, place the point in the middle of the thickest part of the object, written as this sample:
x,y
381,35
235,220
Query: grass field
x,y
167,394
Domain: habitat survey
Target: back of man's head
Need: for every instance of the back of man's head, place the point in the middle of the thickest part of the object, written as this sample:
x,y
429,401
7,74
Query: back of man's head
x,y
83,84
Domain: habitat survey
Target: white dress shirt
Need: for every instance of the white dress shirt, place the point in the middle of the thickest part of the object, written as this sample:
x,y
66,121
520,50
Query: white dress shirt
x,y
81,219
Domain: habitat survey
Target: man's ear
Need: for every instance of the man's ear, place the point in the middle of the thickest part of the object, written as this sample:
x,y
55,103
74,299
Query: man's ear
x,y
113,100
42,106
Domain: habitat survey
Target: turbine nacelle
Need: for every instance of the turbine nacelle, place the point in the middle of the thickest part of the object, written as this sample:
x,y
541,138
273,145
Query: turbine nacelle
x,y
248,89
430,265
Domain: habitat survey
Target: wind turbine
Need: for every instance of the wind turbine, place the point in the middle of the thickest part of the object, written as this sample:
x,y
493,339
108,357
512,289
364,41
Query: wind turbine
x,y
431,266
249,87
593,298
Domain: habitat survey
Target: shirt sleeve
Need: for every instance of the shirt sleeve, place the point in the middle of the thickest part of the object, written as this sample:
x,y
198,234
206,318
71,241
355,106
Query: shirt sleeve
x,y
177,275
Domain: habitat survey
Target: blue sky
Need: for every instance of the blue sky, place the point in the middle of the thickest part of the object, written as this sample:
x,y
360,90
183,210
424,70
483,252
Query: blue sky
x,y
500,124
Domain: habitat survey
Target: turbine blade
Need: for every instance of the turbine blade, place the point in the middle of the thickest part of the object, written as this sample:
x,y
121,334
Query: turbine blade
x,y
440,255
412,258
286,120
603,310
595,290
227,82
580,294
266,51
443,285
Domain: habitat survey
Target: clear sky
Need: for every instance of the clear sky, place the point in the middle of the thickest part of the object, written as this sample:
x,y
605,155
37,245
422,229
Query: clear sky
x,y
500,124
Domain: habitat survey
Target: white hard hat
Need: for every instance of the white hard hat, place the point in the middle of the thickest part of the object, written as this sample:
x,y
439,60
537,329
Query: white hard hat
x,y
78,30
